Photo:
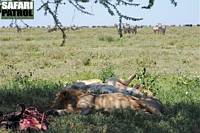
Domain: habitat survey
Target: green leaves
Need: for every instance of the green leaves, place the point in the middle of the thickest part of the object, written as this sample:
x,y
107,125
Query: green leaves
x,y
107,73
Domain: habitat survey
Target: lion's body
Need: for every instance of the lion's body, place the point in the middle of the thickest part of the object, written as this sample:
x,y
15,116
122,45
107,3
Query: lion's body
x,y
112,85
72,100
109,102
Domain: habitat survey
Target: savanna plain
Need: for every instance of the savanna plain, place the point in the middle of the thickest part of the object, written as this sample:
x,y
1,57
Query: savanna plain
x,y
34,67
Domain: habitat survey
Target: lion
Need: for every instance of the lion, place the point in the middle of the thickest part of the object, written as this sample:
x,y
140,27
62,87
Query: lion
x,y
76,101
112,85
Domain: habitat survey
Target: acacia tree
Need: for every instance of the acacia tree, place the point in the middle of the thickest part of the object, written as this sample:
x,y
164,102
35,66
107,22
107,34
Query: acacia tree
x,y
112,6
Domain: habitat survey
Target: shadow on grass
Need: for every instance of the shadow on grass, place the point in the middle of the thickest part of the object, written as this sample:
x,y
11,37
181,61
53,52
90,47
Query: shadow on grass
x,y
178,118
31,93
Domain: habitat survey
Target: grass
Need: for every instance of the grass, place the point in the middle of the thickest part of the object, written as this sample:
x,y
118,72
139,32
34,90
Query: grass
x,y
33,67
176,52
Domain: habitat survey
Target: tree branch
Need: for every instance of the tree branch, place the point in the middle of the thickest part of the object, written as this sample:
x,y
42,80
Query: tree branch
x,y
56,20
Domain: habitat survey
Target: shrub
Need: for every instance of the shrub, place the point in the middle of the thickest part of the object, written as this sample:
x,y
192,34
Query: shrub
x,y
86,61
106,38
106,73
147,80
6,39
29,39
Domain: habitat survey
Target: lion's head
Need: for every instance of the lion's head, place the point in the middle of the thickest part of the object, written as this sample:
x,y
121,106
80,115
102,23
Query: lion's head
x,y
66,99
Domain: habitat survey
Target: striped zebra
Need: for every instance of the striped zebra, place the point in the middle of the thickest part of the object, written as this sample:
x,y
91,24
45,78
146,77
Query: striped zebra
x,y
160,29
129,29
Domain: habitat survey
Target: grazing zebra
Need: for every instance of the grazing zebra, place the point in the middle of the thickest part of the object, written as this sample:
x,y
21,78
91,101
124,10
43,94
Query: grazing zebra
x,y
129,29
52,29
18,29
74,27
156,29
133,29
160,29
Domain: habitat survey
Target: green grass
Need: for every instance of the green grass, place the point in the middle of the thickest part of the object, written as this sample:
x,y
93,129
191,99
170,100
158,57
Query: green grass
x,y
39,51
33,67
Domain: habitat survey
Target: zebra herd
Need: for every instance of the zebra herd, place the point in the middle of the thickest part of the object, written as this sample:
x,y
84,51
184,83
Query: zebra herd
x,y
126,28
130,29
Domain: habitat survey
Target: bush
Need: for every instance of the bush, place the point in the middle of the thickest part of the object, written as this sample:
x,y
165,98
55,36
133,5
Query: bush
x,y
29,39
106,73
6,39
148,80
106,38
86,61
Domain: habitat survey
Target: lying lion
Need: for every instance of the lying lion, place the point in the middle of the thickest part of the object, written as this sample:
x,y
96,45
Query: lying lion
x,y
72,100
118,83
112,85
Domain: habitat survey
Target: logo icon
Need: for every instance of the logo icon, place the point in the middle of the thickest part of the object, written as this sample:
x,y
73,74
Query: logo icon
x,y
16,9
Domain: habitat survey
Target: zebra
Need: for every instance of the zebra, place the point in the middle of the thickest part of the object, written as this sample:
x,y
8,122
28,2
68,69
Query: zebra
x,y
133,29
160,29
129,29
